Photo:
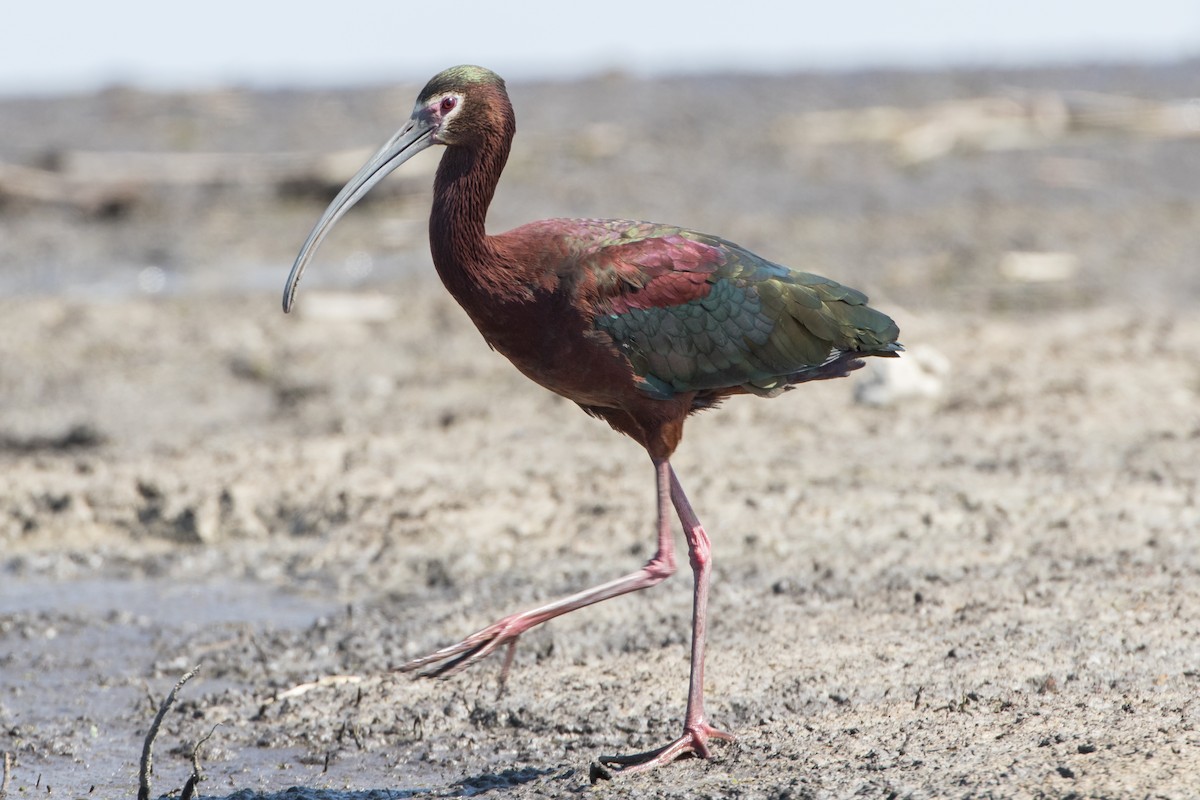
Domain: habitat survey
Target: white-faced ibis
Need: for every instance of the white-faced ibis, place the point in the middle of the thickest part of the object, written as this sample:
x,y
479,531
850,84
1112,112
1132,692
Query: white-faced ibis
x,y
639,324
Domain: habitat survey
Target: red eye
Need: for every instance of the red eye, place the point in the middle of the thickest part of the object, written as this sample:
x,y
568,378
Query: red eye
x,y
448,104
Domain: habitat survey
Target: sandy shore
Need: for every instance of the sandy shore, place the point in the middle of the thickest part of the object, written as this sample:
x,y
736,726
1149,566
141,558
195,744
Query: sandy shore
x,y
990,592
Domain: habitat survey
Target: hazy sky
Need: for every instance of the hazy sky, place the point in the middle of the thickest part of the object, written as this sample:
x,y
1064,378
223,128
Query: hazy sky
x,y
56,46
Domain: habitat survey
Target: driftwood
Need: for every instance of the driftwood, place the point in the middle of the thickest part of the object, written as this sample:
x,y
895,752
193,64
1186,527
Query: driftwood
x,y
44,186
211,169
99,181
1017,120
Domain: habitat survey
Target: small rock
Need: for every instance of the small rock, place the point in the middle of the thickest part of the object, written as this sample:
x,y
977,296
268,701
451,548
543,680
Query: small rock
x,y
598,772
349,307
918,374
1032,267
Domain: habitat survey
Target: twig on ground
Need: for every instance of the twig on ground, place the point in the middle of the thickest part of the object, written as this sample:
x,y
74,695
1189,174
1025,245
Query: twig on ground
x,y
263,660
7,773
325,680
189,788
147,765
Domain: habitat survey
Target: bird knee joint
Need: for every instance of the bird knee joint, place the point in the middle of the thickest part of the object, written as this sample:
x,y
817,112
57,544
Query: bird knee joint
x,y
700,552
660,568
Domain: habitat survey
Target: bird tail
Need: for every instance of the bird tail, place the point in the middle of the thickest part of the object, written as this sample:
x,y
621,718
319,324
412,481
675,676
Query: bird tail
x,y
839,364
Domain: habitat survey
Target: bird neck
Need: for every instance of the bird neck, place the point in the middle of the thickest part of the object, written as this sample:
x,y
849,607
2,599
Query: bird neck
x,y
466,181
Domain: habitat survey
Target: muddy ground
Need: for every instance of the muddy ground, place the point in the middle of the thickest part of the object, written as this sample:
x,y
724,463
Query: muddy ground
x,y
991,591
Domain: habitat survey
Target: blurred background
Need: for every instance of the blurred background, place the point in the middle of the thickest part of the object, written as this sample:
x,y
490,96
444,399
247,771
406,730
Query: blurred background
x,y
275,44
946,152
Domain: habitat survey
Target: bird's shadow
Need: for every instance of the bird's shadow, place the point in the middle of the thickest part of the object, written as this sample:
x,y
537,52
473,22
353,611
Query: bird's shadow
x,y
467,787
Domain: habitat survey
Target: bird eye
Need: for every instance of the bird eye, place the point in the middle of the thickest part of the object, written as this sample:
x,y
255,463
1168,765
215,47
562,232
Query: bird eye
x,y
448,103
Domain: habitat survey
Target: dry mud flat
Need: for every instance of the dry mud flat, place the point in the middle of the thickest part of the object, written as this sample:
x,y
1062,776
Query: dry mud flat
x,y
989,594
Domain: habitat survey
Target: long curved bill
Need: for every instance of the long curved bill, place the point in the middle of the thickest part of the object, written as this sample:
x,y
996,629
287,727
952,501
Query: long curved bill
x,y
410,140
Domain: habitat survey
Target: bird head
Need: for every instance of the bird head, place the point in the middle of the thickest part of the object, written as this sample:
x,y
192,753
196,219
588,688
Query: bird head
x,y
456,109
458,104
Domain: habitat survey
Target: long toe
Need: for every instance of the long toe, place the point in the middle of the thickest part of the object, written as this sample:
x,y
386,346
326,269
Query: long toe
x,y
448,660
451,660
693,742
479,645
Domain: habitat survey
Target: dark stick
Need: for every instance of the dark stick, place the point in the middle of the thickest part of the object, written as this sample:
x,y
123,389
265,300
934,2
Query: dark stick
x,y
189,788
148,746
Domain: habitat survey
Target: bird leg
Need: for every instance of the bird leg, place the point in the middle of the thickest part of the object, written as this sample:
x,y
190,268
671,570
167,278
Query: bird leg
x,y
696,730
452,659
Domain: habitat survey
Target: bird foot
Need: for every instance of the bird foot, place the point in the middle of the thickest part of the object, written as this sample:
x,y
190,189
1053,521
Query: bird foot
x,y
693,742
477,646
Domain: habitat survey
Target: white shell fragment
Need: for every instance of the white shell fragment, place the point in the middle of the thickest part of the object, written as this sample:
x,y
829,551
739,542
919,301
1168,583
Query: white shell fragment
x,y
919,373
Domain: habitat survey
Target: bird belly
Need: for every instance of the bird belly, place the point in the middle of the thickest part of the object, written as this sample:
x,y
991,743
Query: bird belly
x,y
585,374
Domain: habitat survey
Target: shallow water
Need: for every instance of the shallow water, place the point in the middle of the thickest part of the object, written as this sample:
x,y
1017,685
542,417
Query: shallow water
x,y
75,654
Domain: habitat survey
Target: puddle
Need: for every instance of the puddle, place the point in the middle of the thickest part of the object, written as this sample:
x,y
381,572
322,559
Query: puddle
x,y
80,662
167,602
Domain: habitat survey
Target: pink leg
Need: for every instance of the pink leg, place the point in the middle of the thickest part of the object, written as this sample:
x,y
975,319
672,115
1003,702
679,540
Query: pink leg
x,y
506,631
696,730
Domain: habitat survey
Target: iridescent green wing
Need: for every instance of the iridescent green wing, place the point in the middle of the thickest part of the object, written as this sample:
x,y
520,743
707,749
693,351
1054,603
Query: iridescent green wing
x,y
694,312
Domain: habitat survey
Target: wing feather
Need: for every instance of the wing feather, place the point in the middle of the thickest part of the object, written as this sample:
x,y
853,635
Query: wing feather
x,y
694,312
